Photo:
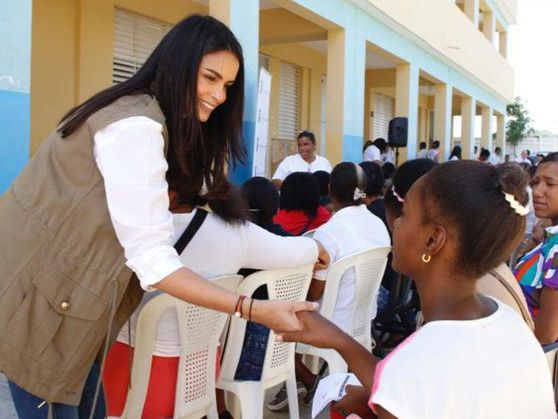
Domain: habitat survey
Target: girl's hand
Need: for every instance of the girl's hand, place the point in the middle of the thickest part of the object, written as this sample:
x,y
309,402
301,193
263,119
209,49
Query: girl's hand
x,y
281,316
316,331
355,401
323,258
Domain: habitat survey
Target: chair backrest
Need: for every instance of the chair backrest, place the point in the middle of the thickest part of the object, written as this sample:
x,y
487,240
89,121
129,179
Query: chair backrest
x,y
199,331
368,266
284,284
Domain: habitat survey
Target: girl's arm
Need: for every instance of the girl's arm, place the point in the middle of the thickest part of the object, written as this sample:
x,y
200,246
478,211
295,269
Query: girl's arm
x,y
320,332
546,322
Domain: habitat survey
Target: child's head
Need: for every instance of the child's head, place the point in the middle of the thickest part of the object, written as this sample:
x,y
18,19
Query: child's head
x,y
374,178
262,199
347,184
323,181
545,188
300,191
467,214
403,179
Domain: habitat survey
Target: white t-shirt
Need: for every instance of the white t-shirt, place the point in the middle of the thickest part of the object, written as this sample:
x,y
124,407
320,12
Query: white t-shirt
x,y
495,159
489,368
432,154
422,153
349,230
295,163
220,248
372,153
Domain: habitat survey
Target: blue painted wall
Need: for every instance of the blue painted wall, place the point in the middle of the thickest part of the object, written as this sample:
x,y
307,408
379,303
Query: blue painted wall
x,y
15,74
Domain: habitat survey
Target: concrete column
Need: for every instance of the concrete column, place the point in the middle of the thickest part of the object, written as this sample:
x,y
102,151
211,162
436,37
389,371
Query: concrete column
x,y
346,55
468,111
503,44
406,104
243,17
442,119
471,9
15,80
489,26
501,133
486,136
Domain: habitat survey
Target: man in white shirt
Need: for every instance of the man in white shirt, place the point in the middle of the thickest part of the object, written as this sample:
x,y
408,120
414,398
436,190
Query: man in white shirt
x,y
306,160
496,157
433,153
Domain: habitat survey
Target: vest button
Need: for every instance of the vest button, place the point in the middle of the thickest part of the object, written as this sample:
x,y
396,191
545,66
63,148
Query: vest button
x,y
64,305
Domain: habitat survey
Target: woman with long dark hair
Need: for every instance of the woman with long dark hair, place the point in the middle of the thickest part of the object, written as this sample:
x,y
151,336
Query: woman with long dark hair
x,y
96,204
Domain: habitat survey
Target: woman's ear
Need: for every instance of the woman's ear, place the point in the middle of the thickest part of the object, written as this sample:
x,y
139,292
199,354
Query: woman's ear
x,y
436,240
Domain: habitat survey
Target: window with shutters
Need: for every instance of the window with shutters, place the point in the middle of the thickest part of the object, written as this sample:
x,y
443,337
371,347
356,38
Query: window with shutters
x,y
384,111
289,101
135,36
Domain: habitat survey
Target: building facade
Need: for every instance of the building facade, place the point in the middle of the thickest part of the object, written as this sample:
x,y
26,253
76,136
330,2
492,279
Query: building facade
x,y
341,68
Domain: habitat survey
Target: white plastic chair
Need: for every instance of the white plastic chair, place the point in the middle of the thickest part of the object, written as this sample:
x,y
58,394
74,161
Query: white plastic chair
x,y
199,332
285,284
369,266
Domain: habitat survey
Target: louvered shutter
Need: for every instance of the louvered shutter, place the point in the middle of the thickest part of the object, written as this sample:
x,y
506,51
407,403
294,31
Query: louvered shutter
x,y
289,101
384,111
135,37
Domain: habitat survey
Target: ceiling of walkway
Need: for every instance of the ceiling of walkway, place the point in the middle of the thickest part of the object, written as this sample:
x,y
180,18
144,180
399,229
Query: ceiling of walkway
x,y
303,32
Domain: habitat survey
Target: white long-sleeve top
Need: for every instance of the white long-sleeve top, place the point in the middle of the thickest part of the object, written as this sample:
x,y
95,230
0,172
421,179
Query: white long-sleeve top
x,y
220,248
130,156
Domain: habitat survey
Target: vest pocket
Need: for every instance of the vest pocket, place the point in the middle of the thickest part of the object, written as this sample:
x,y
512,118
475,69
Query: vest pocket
x,y
55,311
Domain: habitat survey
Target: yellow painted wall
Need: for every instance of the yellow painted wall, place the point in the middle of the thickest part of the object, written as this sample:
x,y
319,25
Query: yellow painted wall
x,y
71,56
455,37
53,65
314,66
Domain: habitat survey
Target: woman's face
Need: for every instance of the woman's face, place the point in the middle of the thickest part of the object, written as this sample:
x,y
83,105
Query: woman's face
x,y
545,191
306,148
408,233
216,74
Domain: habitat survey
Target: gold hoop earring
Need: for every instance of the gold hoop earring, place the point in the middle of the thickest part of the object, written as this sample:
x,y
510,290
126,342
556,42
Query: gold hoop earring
x,y
426,258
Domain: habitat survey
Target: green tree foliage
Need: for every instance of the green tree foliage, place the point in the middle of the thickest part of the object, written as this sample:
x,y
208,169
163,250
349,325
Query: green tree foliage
x,y
518,121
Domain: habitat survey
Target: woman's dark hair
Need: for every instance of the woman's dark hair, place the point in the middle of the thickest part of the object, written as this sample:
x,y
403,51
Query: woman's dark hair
x,y
262,199
197,151
374,178
389,169
300,191
403,178
345,177
381,143
307,134
367,144
455,151
550,158
469,196
322,177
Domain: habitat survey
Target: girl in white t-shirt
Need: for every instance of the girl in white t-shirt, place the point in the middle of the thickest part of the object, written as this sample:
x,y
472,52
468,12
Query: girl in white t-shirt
x,y
474,357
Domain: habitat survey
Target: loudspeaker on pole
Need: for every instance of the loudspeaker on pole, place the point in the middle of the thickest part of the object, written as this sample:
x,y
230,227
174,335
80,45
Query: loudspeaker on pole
x,y
397,133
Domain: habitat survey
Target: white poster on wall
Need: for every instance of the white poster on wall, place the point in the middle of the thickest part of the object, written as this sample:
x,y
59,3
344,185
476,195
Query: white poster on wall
x,y
262,124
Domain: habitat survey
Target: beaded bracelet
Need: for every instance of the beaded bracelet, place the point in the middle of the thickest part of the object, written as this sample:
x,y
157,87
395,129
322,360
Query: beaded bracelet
x,y
238,306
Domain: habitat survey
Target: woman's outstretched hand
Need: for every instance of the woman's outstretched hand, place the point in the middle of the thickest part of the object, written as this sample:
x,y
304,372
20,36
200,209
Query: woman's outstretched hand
x,y
281,316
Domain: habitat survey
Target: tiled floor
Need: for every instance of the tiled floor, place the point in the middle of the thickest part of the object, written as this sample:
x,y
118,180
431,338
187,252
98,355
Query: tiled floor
x,y
7,409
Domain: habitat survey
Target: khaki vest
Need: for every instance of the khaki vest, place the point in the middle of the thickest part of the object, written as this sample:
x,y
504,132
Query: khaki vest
x,y
62,268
